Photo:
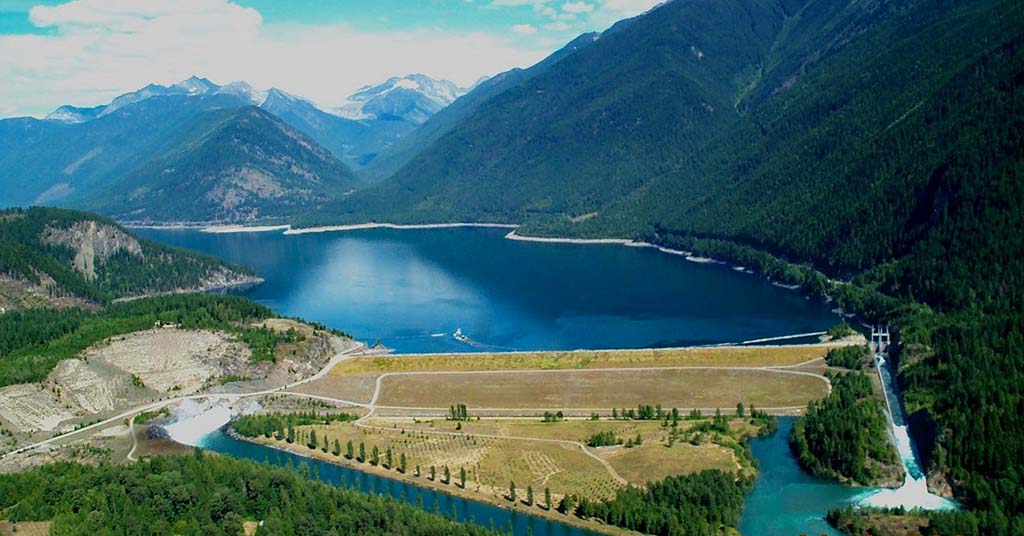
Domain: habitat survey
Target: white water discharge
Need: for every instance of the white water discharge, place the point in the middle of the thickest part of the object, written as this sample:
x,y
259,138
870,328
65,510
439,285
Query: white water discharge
x,y
194,420
914,491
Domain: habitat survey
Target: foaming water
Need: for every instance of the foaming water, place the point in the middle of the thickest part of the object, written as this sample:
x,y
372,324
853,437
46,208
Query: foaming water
x,y
914,491
193,421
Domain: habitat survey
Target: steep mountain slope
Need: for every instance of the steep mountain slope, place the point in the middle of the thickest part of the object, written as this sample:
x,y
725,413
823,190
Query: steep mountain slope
x,y
51,161
392,158
342,137
75,151
638,102
60,257
878,141
235,165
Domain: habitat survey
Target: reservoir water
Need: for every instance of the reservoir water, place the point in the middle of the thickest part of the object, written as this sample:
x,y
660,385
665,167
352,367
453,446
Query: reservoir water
x,y
411,289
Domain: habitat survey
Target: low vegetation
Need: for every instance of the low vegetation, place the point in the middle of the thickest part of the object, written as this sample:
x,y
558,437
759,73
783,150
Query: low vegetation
x,y
540,465
740,356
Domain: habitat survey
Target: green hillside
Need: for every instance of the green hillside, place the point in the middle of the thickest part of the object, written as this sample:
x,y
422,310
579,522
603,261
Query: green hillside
x,y
236,165
636,103
53,256
877,143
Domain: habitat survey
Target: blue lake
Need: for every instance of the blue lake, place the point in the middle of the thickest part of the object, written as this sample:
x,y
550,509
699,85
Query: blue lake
x,y
411,289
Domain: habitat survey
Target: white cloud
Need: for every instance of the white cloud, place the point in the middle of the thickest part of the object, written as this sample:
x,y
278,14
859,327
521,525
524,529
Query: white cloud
x,y
101,48
558,26
577,7
524,29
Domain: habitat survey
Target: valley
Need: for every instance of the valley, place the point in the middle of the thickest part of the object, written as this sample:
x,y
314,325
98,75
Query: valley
x,y
608,269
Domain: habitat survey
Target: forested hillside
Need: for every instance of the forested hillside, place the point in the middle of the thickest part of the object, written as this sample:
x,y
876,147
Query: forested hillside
x,y
395,156
877,143
204,494
236,165
636,103
53,256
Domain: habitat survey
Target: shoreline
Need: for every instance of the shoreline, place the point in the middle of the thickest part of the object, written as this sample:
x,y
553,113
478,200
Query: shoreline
x,y
614,241
362,226
202,289
423,482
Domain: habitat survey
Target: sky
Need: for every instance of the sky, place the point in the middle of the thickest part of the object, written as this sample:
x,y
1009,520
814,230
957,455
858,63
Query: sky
x,y
85,52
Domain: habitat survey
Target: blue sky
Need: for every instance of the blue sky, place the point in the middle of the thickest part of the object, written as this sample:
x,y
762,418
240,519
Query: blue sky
x,y
85,52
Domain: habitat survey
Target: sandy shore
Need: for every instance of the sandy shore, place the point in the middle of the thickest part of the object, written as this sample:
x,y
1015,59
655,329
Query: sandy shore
x,y
217,229
614,241
360,226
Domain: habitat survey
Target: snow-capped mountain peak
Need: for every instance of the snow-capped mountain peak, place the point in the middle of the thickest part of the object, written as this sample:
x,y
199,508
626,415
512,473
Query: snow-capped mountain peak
x,y
243,91
413,98
196,86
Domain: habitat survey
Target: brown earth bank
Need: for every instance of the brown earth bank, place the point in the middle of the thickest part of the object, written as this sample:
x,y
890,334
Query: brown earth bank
x,y
147,366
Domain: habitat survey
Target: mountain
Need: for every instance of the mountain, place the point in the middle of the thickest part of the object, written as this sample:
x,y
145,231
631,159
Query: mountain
x,y
413,98
57,257
637,102
396,155
49,161
345,138
234,165
75,151
876,142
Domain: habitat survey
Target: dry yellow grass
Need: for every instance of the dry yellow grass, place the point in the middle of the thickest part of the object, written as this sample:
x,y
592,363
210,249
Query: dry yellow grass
x,y
25,528
738,356
603,390
654,460
495,452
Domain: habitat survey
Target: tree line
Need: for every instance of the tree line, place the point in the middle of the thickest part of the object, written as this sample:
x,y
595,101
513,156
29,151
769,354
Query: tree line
x,y
204,495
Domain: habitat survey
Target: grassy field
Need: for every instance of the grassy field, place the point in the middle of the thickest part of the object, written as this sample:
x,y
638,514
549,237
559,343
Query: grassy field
x,y
733,356
495,452
603,390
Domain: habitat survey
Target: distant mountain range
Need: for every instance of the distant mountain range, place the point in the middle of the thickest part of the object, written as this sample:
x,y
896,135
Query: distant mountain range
x,y
148,153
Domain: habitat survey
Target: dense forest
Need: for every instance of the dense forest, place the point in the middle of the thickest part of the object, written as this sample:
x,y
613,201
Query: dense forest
x,y
844,435
33,341
24,254
204,495
702,504
872,153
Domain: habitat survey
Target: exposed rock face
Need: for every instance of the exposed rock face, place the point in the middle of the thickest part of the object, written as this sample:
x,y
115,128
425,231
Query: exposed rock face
x,y
92,242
